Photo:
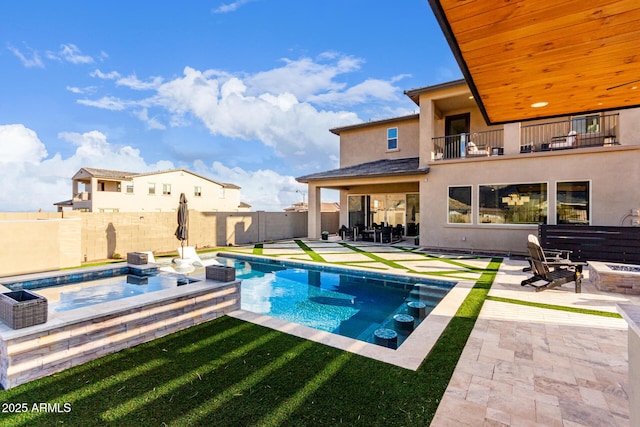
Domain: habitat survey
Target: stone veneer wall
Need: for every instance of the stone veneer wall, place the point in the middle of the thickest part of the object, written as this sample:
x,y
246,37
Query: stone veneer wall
x,y
608,280
30,356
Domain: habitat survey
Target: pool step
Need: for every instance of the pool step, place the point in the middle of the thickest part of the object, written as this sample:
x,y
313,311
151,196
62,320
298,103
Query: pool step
x,y
429,294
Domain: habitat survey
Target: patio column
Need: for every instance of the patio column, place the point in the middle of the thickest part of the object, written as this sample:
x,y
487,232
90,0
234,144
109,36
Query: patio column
x,y
314,220
512,138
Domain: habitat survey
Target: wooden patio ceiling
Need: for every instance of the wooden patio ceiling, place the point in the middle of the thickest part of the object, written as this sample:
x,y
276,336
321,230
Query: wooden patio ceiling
x,y
577,56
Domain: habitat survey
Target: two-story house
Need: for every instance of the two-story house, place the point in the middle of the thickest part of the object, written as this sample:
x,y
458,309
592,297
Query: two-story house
x,y
458,183
103,190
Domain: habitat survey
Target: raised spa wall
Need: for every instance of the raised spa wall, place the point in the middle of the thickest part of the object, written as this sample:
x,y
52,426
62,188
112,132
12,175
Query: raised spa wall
x,y
78,336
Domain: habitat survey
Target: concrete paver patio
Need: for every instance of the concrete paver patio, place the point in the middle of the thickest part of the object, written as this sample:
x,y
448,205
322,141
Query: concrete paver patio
x,y
522,365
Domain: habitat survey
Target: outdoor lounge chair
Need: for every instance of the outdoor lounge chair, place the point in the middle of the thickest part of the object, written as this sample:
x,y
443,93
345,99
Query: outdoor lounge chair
x,y
564,142
473,150
191,254
555,255
548,275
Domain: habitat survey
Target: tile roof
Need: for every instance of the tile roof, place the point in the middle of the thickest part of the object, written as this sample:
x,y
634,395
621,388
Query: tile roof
x,y
337,131
113,174
108,173
385,167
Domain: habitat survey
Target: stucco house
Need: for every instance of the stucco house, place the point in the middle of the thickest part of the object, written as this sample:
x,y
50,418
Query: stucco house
x,y
448,177
104,190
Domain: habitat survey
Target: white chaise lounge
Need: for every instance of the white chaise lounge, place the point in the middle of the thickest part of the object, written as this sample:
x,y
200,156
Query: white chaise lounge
x,y
191,254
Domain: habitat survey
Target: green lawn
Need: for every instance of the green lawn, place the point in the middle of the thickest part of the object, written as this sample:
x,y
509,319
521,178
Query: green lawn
x,y
231,373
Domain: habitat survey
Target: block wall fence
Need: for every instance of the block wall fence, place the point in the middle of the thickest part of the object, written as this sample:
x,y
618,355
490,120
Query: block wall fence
x,y
43,241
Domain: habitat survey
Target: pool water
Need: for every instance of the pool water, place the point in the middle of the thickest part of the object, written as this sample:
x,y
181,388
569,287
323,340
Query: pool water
x,y
344,304
76,295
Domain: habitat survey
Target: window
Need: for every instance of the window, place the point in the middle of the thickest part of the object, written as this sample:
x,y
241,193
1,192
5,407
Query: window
x,y
572,203
197,191
152,188
129,187
222,193
586,124
459,205
166,189
392,139
513,204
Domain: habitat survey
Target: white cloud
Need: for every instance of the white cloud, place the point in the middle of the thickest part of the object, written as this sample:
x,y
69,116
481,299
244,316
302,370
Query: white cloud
x,y
263,189
278,107
71,53
106,103
81,90
133,82
303,77
152,122
32,182
371,89
230,7
29,62
293,129
20,145
113,75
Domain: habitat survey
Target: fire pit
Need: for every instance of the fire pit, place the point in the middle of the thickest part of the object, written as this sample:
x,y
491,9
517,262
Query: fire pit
x,y
614,277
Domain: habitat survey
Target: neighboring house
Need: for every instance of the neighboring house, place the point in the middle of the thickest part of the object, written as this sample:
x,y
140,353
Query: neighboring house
x,y
103,190
447,176
304,207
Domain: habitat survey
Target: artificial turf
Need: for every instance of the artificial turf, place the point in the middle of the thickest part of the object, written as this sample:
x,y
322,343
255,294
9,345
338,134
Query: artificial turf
x,y
230,373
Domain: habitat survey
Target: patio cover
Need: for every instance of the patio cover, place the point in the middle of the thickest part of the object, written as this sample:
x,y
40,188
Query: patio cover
x,y
378,168
577,56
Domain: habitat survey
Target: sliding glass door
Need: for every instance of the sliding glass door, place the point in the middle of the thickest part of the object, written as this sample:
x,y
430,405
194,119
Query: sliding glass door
x,y
388,209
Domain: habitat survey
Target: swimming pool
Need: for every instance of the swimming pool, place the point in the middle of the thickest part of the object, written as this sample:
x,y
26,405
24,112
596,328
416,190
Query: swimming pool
x,y
350,304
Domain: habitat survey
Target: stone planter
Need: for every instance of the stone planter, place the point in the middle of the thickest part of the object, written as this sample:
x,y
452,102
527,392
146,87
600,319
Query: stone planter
x,y
20,309
220,273
137,258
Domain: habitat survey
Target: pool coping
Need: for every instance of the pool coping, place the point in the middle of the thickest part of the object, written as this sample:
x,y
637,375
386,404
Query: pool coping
x,y
411,352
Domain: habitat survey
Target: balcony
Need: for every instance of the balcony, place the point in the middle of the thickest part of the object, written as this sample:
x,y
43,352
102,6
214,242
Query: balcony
x,y
83,196
474,144
595,130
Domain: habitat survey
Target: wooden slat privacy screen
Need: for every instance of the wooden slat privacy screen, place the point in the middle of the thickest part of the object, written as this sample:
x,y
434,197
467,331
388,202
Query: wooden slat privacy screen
x,y
593,243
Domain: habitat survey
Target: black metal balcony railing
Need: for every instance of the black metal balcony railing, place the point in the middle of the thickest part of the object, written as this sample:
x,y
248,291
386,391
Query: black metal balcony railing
x,y
586,131
594,130
473,144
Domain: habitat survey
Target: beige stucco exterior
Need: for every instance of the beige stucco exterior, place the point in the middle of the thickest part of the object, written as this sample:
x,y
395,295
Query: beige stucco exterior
x,y
361,144
611,170
151,192
606,170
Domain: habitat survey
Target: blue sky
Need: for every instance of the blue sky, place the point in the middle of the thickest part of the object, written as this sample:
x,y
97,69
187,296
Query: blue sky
x,y
242,92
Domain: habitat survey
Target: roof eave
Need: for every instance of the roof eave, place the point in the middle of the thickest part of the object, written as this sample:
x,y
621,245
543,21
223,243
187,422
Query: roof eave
x,y
457,54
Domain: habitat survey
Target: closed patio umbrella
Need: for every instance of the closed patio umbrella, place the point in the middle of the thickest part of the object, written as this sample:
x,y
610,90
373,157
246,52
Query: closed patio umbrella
x,y
182,232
